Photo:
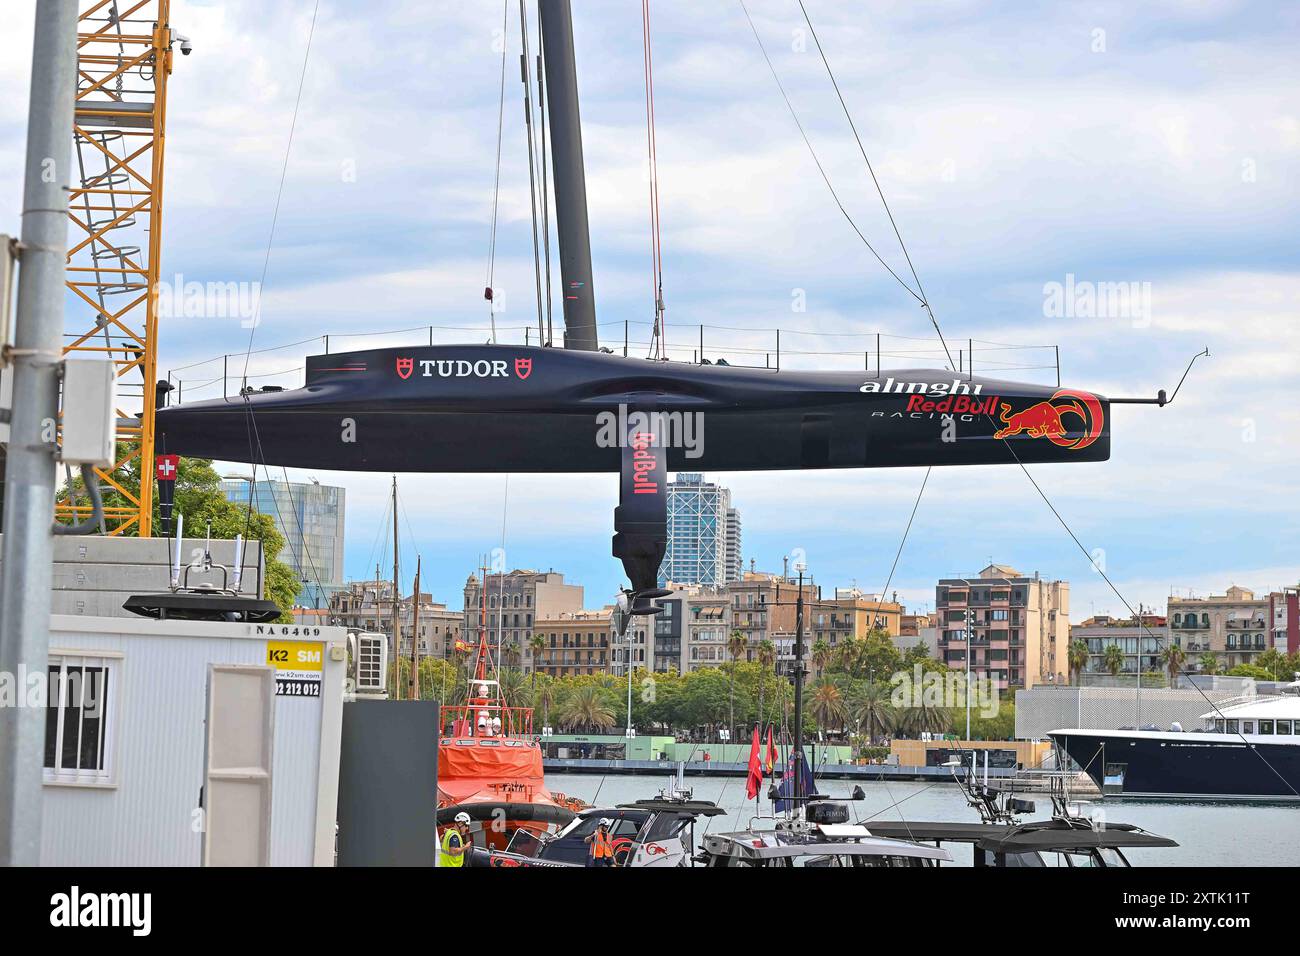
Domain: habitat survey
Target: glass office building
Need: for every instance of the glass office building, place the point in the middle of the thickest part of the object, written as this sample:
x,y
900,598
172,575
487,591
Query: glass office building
x,y
310,517
703,534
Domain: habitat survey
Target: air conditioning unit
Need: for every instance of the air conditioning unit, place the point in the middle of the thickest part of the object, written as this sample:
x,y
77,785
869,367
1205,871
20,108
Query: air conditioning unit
x,y
369,653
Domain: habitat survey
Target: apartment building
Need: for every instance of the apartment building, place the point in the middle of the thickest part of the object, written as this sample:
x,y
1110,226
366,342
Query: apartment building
x,y
368,606
515,600
1235,627
1284,613
707,620
1014,627
1140,645
765,604
574,643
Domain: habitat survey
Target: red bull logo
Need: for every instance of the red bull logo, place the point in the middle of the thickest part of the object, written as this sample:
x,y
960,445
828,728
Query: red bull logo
x,y
1046,419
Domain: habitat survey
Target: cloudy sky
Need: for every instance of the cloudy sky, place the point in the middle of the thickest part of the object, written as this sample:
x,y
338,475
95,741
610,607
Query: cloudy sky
x,y
1018,145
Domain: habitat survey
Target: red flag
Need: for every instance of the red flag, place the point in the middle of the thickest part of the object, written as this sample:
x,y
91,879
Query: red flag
x,y
772,756
755,779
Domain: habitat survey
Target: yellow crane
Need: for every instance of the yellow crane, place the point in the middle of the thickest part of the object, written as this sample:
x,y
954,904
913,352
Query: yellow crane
x,y
125,50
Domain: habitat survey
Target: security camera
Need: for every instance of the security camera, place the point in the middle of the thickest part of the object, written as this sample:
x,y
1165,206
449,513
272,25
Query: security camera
x,y
187,46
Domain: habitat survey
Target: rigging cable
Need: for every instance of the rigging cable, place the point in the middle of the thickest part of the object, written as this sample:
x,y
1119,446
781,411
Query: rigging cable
x,y
926,305
284,170
821,169
925,302
652,160
525,77
496,184
546,201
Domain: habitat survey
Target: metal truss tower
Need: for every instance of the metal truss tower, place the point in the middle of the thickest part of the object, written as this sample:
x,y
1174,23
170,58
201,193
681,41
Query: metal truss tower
x,y
124,59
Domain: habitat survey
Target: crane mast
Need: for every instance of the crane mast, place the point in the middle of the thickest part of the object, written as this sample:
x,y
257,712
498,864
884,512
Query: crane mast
x,y
124,59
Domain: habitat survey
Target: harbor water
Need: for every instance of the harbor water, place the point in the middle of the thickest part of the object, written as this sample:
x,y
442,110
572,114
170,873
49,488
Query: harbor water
x,y
1208,833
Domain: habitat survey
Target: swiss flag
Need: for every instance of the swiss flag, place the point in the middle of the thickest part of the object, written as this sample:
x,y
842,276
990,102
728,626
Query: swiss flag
x,y
755,778
165,467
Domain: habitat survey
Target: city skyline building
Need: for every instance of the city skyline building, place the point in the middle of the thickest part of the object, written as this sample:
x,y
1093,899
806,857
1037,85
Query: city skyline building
x,y
310,517
704,534
1014,627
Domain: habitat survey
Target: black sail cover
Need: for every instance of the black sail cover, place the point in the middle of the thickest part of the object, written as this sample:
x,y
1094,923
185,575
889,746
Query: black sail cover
x,y
499,408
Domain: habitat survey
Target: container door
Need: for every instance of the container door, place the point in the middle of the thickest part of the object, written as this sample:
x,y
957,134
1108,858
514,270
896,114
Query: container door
x,y
237,765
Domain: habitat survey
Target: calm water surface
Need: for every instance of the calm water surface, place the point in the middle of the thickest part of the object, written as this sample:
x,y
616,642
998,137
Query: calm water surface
x,y
1208,834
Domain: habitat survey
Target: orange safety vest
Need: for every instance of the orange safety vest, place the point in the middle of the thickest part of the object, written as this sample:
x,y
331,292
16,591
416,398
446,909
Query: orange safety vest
x,y
602,845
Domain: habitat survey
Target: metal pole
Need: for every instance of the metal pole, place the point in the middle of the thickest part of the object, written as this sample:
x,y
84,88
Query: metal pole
x,y
25,583
397,608
570,178
798,696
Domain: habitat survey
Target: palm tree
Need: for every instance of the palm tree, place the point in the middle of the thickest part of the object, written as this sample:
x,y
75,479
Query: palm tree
x,y
926,716
821,656
544,697
536,644
585,709
873,712
512,688
1209,663
736,645
1078,658
1113,659
828,706
766,658
847,654
511,655
1173,657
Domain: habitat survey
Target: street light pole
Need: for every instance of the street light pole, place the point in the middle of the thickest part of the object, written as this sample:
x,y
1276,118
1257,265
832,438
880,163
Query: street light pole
x,y
25,585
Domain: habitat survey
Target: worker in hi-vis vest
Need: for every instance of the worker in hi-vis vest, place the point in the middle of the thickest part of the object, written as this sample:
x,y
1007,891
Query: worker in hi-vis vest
x,y
600,845
455,841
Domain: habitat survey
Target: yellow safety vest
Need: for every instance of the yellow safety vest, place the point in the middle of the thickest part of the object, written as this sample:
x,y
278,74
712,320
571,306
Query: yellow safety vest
x,y
445,858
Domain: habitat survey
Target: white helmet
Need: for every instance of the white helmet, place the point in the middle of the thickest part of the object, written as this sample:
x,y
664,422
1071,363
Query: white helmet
x,y
462,818
606,822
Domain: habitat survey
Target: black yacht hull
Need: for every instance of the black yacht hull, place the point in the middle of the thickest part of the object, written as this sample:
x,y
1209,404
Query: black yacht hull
x,y
520,409
1184,766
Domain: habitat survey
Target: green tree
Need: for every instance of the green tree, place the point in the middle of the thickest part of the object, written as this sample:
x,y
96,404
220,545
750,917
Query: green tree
x,y
536,644
827,707
821,655
1250,670
1275,663
1209,663
872,711
1173,657
736,645
1113,659
925,716
1077,658
545,695
586,709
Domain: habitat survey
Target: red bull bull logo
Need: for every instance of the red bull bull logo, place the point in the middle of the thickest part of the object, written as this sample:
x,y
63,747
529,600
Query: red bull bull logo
x,y
1046,419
